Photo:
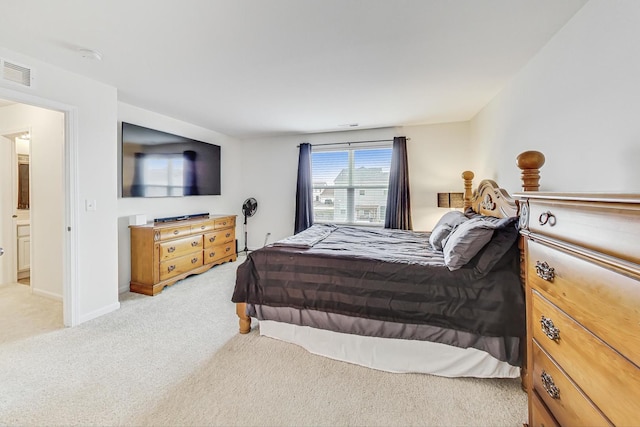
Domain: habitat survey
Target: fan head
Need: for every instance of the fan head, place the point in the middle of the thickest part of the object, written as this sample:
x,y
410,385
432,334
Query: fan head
x,y
250,206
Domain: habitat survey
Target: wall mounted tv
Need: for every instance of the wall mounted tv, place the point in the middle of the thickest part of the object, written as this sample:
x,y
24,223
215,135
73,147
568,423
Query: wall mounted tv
x,y
159,164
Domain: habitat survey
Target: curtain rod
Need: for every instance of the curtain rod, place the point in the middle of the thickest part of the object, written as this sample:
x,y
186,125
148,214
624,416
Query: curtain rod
x,y
353,142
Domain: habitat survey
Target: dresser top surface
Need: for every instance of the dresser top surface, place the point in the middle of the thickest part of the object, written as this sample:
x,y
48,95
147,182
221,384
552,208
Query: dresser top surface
x,y
179,223
587,197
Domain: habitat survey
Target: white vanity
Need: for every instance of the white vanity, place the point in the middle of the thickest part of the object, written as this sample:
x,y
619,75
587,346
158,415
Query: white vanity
x,y
24,248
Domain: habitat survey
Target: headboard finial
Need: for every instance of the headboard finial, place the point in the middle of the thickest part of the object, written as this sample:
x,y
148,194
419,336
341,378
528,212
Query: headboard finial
x,y
468,184
530,162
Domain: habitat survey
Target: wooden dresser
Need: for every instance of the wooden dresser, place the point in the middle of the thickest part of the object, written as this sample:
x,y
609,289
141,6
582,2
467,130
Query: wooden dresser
x,y
582,254
162,254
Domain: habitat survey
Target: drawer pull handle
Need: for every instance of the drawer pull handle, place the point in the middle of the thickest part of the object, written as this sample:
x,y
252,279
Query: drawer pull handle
x,y
549,329
228,234
171,268
212,254
171,249
545,272
175,231
547,217
227,250
224,223
194,260
194,243
551,389
212,239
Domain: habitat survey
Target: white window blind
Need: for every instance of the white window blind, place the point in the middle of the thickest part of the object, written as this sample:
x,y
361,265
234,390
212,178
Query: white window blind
x,y
350,185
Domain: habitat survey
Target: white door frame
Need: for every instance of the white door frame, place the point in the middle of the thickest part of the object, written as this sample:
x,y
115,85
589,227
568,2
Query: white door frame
x,y
11,253
70,166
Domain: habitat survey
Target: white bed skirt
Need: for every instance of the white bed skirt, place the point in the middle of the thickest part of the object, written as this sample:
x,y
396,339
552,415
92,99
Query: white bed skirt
x,y
392,355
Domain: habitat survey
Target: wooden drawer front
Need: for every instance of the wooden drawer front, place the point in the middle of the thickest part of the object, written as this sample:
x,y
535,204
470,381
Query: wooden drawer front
x,y
203,227
180,247
610,228
219,237
540,415
176,266
173,232
589,292
214,253
610,380
570,407
225,222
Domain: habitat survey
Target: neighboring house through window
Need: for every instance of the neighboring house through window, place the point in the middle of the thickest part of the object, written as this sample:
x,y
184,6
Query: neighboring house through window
x,y
350,184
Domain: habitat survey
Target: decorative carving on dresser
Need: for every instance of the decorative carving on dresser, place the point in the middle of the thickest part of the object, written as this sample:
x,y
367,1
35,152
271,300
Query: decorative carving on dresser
x,y
549,329
545,272
582,278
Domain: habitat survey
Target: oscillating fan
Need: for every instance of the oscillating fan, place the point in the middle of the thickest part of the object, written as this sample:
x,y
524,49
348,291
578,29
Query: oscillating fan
x,y
249,208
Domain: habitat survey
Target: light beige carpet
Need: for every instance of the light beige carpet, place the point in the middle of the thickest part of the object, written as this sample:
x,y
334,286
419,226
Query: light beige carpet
x,y
23,314
176,359
256,380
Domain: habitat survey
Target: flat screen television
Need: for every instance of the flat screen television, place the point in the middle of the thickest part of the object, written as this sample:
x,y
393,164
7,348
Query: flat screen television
x,y
159,164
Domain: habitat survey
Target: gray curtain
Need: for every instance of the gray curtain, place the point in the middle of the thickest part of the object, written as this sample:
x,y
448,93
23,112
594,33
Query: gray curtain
x,y
304,190
398,213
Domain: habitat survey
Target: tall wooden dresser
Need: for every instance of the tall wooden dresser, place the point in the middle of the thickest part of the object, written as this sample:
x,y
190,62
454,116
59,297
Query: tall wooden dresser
x,y
582,255
163,253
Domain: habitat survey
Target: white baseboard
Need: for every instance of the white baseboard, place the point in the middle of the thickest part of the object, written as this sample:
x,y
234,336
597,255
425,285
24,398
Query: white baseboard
x,y
46,294
100,312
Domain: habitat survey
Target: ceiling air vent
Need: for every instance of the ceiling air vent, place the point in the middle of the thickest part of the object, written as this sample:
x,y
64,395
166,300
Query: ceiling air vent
x,y
15,73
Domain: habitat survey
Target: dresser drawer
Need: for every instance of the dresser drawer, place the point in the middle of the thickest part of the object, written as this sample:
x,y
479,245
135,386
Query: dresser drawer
x,y
610,228
565,401
540,415
203,227
176,266
224,222
215,253
219,237
589,291
610,380
179,247
173,232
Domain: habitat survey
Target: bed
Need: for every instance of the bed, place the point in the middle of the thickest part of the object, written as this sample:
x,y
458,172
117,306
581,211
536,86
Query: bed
x,y
447,302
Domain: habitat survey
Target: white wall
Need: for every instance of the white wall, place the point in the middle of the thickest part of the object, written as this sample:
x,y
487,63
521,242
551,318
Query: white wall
x,y
229,202
577,101
437,156
95,106
47,179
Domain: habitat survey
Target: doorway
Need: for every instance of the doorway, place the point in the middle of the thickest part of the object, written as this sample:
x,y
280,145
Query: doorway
x,y
15,179
34,213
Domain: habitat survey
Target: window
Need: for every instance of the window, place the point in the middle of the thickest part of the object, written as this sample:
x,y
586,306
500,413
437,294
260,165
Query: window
x,y
350,185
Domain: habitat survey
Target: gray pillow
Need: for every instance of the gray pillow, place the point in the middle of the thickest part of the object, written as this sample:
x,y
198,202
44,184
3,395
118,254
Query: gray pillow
x,y
502,240
452,218
466,241
438,235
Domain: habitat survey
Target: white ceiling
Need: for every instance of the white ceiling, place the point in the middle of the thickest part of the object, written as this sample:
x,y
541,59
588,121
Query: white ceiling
x,y
250,68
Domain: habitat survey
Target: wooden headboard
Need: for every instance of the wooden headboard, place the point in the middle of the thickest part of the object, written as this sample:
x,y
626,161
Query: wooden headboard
x,y
489,199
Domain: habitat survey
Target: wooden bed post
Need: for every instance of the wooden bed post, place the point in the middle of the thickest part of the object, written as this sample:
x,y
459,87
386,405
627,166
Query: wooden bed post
x,y
243,320
530,162
468,184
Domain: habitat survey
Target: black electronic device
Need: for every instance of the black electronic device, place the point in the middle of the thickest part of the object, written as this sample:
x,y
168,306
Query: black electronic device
x,y
159,164
181,218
